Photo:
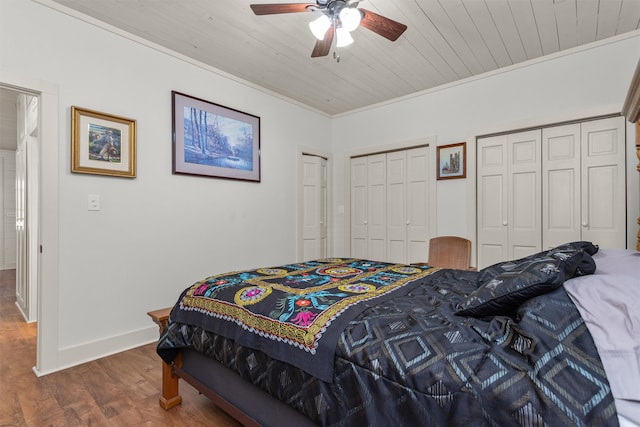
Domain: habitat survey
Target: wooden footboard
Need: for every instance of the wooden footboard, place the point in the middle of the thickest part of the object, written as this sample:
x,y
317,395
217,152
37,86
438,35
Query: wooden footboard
x,y
170,393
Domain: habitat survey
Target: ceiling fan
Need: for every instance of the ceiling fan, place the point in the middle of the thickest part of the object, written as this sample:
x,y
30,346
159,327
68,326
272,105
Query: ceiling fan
x,y
339,18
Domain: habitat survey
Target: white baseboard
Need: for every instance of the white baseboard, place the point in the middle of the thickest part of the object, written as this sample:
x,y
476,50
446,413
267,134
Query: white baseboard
x,y
87,352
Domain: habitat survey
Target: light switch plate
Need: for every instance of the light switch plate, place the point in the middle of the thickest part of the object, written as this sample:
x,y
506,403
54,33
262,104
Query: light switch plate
x,y
93,202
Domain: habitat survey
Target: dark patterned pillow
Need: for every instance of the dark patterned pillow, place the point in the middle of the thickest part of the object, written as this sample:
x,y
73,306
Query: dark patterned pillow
x,y
563,251
504,286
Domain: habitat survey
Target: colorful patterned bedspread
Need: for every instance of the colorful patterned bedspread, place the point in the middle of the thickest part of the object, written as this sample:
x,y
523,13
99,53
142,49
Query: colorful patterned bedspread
x,y
305,305
406,356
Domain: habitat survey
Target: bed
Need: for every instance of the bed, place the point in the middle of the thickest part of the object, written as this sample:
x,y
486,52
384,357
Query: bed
x,y
548,340
348,342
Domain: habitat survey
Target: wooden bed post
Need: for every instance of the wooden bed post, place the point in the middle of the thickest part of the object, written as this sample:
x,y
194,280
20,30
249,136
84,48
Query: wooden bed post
x,y
631,110
638,155
170,393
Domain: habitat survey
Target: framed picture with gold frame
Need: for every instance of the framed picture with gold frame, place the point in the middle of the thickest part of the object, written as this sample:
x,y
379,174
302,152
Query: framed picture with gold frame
x,y
452,161
102,144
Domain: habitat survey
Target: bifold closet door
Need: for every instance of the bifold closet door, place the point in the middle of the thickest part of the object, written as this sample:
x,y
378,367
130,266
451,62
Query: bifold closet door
x,y
583,183
368,207
492,200
561,185
377,207
407,196
603,218
509,197
358,220
389,200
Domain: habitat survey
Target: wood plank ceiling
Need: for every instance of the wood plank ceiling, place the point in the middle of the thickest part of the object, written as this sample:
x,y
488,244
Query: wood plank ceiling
x,y
446,40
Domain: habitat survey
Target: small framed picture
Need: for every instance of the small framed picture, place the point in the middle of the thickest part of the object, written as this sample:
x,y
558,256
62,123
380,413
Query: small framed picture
x,y
452,161
214,141
102,144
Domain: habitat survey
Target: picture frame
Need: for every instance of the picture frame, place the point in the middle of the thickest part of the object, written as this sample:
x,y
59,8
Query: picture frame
x,y
213,140
452,161
102,144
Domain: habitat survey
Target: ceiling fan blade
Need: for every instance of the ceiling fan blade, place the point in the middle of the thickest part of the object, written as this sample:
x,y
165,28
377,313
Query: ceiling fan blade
x,y
273,8
387,28
323,46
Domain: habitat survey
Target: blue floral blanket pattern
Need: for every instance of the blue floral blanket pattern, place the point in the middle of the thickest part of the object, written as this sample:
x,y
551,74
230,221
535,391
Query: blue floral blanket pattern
x,y
304,305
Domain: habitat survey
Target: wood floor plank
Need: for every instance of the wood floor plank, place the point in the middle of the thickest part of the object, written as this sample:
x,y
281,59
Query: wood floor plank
x,y
119,390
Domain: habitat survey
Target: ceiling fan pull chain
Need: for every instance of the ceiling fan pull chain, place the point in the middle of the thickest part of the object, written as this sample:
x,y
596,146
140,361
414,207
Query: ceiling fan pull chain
x,y
336,57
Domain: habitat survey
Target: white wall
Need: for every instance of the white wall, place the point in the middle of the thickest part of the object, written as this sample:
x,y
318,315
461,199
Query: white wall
x,y
158,233
581,83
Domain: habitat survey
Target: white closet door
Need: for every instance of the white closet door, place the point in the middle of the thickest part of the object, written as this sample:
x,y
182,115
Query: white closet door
x,y
389,206
314,231
524,194
561,185
377,206
359,245
417,204
492,196
603,182
509,192
396,206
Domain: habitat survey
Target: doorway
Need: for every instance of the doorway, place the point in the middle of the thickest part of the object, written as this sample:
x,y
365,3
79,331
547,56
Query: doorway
x,y
43,256
18,194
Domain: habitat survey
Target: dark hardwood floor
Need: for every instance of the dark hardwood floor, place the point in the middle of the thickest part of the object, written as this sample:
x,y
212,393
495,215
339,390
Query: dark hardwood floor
x,y
119,390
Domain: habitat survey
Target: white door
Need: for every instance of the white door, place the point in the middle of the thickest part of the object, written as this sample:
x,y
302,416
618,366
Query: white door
x,y
417,221
359,243
561,185
407,201
492,196
8,209
377,207
396,207
22,288
524,194
509,192
584,182
603,212
314,218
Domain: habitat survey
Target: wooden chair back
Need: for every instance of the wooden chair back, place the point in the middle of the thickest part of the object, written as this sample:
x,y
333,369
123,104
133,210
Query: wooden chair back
x,y
450,252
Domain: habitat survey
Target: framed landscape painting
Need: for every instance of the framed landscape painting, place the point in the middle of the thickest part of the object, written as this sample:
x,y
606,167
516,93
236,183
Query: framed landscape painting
x,y
452,161
214,141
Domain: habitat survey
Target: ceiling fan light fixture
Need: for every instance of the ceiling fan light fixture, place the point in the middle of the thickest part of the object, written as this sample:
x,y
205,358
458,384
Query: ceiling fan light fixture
x,y
350,18
343,37
320,26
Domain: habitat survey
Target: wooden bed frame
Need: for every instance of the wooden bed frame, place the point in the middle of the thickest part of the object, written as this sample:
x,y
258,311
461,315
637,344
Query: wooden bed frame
x,y
631,110
246,403
172,373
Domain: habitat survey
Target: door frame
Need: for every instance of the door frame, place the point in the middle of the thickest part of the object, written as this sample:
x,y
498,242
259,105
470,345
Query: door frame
x,y
47,298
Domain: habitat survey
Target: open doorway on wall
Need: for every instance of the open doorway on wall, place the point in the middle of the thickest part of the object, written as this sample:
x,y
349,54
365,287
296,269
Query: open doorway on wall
x,y
18,194
41,224
18,206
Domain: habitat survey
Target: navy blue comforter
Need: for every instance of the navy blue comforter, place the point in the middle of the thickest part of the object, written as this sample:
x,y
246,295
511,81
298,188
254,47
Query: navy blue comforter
x,y
500,347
